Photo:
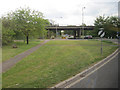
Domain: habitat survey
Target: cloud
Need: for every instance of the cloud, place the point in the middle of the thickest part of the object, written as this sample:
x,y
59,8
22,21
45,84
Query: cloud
x,y
70,10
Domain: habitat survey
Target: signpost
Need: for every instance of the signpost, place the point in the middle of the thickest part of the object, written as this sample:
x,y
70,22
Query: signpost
x,y
101,33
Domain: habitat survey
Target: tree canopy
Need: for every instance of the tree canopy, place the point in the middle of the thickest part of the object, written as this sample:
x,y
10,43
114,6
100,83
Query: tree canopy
x,y
23,22
111,25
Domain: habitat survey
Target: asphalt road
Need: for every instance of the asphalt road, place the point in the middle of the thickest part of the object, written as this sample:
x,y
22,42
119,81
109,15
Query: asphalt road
x,y
104,77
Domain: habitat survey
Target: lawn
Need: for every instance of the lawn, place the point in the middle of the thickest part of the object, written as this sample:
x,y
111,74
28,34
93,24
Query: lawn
x,y
54,62
0,54
9,52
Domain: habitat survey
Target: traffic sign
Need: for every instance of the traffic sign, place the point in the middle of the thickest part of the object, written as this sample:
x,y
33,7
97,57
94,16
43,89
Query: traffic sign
x,y
101,33
117,35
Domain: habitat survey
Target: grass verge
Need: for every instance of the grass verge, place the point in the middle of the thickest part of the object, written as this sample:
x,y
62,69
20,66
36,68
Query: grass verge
x,y
55,62
9,52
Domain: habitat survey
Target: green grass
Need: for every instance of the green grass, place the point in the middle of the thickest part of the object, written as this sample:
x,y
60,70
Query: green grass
x,y
50,64
9,52
0,54
107,41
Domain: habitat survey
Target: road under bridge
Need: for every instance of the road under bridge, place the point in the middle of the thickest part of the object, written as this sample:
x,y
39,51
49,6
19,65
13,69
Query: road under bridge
x,y
77,29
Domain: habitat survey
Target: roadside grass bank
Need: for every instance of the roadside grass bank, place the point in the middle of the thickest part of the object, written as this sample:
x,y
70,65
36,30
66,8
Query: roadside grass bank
x,y
54,62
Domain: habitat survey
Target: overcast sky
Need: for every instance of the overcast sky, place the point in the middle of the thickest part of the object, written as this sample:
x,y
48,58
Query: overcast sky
x,y
65,12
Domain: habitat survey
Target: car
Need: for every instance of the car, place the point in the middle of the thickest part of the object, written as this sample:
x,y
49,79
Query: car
x,y
88,37
63,36
52,37
70,37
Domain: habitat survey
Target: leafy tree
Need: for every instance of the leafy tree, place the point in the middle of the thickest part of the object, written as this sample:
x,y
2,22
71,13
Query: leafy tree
x,y
7,31
29,22
114,23
23,23
100,22
40,27
110,25
7,35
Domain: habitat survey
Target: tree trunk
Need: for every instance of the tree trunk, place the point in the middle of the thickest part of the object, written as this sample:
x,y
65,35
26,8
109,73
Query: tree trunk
x,y
27,40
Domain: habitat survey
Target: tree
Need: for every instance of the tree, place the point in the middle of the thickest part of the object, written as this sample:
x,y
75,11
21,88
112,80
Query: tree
x,y
40,27
110,25
115,23
7,31
23,23
28,21
100,22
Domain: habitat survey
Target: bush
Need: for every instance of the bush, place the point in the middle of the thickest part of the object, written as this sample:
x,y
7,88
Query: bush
x,y
7,36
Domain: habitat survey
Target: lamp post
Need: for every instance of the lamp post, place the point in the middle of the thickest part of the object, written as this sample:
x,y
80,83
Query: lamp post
x,y
56,27
83,19
101,33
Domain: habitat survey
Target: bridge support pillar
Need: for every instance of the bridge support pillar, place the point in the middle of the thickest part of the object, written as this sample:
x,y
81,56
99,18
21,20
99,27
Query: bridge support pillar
x,y
74,34
48,34
60,32
78,33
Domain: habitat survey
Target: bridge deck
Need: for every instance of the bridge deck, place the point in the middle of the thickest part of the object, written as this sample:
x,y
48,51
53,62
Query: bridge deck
x,y
70,28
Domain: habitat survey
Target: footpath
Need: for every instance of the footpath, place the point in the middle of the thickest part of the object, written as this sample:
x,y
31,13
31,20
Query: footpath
x,y
12,61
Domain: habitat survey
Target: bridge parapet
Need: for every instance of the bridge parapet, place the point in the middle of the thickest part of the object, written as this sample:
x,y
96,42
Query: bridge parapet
x,y
69,27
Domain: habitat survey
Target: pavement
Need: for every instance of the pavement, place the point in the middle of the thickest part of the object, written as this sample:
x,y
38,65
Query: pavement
x,y
6,65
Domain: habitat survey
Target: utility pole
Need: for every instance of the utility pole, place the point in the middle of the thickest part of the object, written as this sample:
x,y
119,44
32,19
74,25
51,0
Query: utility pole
x,y
56,27
56,31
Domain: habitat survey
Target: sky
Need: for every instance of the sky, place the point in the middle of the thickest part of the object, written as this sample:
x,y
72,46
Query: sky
x,y
65,12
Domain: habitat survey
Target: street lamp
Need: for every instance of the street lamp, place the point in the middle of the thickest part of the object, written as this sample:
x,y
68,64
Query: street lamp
x,y
83,19
56,27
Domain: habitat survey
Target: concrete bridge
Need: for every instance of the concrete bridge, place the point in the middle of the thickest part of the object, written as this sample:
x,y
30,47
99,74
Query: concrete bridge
x,y
77,29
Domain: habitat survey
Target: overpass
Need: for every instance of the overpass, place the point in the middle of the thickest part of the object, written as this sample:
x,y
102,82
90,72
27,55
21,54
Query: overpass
x,y
77,29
